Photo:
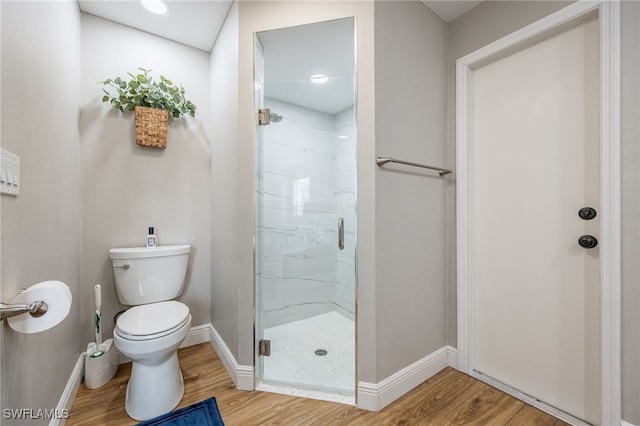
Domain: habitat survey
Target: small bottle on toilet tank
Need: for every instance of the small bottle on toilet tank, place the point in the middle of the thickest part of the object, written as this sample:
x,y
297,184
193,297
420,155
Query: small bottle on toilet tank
x,y
151,238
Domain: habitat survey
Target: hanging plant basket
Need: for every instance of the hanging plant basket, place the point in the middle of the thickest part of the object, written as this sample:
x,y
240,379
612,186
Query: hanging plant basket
x,y
153,102
151,127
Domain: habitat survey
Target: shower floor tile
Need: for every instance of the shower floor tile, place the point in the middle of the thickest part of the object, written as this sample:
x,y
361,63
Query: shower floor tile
x,y
293,360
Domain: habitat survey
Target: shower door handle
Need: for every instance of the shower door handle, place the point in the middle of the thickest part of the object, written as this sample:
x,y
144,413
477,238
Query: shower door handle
x,y
340,233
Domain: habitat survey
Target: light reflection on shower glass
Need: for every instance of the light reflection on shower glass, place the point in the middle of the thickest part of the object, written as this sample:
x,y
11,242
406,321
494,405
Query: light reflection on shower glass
x,y
301,195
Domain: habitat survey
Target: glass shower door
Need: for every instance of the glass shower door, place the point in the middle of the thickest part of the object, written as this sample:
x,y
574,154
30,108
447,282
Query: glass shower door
x,y
305,216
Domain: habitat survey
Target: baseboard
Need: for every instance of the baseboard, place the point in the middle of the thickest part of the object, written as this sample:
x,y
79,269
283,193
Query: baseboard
x,y
376,396
242,375
623,423
198,334
68,395
452,357
371,396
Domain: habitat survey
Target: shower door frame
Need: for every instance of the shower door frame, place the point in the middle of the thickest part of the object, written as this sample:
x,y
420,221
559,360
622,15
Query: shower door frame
x,y
608,14
258,102
257,297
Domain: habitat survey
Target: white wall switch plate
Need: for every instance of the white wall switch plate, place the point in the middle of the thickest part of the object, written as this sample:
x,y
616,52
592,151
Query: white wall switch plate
x,y
9,173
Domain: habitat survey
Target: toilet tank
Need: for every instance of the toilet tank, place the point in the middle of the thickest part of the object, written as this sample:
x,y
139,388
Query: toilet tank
x,y
147,275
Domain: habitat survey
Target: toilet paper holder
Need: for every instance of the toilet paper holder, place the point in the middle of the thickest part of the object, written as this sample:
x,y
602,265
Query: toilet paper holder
x,y
36,309
48,303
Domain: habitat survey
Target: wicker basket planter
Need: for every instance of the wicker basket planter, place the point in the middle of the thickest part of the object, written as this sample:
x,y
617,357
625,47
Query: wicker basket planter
x,y
153,102
151,127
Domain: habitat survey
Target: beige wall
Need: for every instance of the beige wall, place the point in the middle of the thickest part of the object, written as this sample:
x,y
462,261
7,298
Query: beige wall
x,y
410,211
224,180
86,186
127,188
631,211
41,236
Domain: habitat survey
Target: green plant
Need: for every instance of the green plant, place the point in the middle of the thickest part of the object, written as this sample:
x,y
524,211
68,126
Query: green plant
x,y
143,90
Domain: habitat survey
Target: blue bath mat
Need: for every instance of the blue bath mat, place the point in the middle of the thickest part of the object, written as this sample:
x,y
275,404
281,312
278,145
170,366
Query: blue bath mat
x,y
203,413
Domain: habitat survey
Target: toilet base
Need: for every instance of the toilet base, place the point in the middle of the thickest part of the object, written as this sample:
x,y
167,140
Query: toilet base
x,y
155,389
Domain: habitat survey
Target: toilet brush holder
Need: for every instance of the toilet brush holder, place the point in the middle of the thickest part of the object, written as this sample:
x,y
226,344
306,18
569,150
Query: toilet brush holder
x,y
100,364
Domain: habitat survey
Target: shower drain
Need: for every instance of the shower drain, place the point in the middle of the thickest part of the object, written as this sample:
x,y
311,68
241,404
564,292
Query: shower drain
x,y
320,352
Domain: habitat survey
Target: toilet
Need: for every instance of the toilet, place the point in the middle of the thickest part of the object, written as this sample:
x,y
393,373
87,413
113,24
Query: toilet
x,y
150,332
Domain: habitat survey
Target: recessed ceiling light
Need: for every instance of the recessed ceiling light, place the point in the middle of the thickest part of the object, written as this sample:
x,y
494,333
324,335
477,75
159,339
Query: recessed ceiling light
x,y
155,6
319,78
343,137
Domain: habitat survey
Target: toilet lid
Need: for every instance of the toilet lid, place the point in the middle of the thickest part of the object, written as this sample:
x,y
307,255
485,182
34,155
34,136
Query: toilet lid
x,y
153,319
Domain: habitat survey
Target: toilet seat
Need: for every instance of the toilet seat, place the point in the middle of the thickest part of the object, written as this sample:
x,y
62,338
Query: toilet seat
x,y
152,321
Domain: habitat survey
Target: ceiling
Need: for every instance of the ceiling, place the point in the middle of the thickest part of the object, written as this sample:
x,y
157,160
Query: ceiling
x,y
196,23
449,10
292,55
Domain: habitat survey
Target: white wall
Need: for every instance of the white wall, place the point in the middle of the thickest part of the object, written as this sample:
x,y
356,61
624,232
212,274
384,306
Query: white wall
x,y
41,235
127,188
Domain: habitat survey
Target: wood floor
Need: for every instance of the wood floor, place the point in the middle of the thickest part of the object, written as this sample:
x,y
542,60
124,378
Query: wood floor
x,y
448,398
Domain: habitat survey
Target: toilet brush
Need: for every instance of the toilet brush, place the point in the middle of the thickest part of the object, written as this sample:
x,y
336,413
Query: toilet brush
x,y
98,325
101,362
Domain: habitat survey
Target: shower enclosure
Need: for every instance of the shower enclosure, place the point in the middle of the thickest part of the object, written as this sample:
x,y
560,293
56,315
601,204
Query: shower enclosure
x,y
306,210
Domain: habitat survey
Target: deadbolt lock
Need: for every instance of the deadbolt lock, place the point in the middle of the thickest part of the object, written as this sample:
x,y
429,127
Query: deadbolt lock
x,y
588,241
587,213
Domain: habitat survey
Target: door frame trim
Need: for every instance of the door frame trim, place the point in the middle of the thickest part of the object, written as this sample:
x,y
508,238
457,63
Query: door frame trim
x,y
608,14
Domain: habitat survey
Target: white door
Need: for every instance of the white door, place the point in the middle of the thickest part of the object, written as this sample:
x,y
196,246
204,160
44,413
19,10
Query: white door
x,y
536,292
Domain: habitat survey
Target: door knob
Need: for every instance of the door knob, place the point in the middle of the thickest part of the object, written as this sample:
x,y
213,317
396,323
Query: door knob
x,y
588,241
587,213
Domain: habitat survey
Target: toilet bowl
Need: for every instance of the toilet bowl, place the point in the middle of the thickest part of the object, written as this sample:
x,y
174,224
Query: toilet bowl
x,y
150,332
150,335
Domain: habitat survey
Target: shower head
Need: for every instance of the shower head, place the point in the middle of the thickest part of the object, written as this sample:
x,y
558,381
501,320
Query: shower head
x,y
275,118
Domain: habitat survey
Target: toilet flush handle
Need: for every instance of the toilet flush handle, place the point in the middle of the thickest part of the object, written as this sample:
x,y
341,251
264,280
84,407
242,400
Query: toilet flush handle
x,y
125,266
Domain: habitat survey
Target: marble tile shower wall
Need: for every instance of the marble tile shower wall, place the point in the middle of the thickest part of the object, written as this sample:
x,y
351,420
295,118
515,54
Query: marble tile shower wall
x,y
303,188
345,193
